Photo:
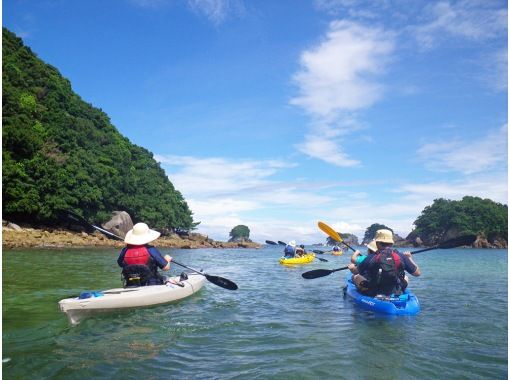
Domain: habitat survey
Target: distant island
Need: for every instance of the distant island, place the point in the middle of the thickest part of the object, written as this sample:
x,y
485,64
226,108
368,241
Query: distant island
x,y
447,219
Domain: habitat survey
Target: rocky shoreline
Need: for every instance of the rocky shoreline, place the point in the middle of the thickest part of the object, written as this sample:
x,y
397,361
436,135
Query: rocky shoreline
x,y
59,238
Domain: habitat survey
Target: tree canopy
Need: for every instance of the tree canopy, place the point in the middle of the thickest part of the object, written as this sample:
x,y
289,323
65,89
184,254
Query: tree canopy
x,y
60,152
370,231
240,231
471,215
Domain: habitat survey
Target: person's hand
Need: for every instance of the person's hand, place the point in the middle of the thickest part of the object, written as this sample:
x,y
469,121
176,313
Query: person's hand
x,y
168,258
408,254
357,253
351,266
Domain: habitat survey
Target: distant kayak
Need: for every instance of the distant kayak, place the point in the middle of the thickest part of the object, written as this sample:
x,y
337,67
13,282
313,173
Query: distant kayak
x,y
308,258
337,253
90,303
405,304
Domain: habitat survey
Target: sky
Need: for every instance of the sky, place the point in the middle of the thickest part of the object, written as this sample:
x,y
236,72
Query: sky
x,y
280,114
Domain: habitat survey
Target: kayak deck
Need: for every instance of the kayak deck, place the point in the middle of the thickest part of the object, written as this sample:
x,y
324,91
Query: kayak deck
x,y
406,304
308,258
116,299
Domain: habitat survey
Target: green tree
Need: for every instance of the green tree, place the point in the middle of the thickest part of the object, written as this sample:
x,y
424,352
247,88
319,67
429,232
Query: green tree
x,y
240,231
370,231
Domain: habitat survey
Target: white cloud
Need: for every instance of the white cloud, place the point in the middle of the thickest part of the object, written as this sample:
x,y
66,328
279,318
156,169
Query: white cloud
x,y
217,11
467,157
327,150
337,74
337,77
474,20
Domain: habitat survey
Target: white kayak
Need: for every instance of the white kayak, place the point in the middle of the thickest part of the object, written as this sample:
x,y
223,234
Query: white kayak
x,y
128,298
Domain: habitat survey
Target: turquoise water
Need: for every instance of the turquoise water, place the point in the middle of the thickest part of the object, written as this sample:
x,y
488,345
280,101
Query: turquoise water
x,y
277,325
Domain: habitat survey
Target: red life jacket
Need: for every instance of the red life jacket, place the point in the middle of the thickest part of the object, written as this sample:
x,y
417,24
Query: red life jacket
x,y
137,255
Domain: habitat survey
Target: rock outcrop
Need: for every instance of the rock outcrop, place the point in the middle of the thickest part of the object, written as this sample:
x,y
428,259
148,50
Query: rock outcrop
x,y
119,224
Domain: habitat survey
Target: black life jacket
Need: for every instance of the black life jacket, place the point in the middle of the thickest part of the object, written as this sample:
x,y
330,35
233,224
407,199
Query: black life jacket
x,y
386,272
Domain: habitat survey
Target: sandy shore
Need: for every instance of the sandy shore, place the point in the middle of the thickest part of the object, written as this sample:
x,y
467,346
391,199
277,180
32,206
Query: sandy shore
x,y
40,238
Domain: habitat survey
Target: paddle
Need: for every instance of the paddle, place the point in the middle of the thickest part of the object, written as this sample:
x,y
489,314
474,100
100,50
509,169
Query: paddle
x,y
452,243
270,242
333,234
216,280
281,242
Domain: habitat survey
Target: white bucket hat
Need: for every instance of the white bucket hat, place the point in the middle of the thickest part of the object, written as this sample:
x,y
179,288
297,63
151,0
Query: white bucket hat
x,y
384,236
141,234
372,246
292,243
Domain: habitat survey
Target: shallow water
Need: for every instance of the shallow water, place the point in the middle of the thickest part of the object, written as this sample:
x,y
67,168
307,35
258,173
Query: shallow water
x,y
277,325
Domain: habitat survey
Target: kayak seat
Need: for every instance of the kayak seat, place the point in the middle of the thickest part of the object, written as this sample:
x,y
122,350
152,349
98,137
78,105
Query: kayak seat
x,y
136,275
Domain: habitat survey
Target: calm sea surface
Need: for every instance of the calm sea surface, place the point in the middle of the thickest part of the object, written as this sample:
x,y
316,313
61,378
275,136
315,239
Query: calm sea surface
x,y
276,326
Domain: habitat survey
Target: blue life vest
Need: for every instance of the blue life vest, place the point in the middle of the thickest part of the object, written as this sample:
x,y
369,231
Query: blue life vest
x,y
289,251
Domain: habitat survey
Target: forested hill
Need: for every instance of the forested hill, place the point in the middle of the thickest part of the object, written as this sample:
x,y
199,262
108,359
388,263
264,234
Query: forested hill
x,y
446,219
60,152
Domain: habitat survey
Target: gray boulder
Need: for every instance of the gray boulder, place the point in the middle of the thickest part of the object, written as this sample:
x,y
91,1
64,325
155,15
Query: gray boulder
x,y
119,224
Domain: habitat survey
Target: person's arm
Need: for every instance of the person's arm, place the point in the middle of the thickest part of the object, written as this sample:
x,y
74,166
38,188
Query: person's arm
x,y
410,265
354,256
120,260
162,262
168,258
353,268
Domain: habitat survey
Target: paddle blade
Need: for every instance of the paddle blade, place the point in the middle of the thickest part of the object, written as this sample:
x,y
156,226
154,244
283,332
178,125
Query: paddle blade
x,y
323,260
316,273
281,242
330,231
270,242
458,242
318,251
221,282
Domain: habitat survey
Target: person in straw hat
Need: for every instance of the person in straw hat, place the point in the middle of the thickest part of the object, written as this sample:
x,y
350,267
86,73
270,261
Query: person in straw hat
x,y
357,257
384,271
139,260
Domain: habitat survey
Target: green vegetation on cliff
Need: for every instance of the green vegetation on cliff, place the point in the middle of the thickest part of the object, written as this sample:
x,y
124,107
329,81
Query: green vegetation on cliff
x,y
240,232
370,231
471,215
60,152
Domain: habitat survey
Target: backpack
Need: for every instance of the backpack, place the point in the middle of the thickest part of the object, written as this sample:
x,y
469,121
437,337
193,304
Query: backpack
x,y
387,271
136,275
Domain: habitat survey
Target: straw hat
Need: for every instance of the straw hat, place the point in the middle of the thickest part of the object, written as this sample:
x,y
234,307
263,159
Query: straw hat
x,y
372,246
141,234
384,236
292,243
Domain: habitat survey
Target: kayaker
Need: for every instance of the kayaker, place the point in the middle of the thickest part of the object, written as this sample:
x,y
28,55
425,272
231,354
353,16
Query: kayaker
x,y
384,271
139,260
300,251
290,250
357,257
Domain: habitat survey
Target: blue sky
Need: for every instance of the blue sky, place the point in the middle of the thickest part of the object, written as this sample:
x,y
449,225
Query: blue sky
x,y
278,114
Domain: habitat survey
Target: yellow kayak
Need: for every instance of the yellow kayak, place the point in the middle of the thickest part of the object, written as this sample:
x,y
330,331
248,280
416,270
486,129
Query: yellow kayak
x,y
337,253
308,258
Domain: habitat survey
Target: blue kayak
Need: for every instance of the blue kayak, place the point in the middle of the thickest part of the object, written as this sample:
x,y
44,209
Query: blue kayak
x,y
405,304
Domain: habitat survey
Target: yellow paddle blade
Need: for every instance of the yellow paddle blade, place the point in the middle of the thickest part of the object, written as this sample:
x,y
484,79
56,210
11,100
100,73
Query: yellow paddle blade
x,y
330,231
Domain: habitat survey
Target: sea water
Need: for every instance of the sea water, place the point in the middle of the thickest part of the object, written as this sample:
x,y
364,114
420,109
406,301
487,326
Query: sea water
x,y
277,325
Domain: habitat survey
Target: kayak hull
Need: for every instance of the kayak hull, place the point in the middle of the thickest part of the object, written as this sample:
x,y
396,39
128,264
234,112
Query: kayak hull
x,y
406,304
116,299
308,258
